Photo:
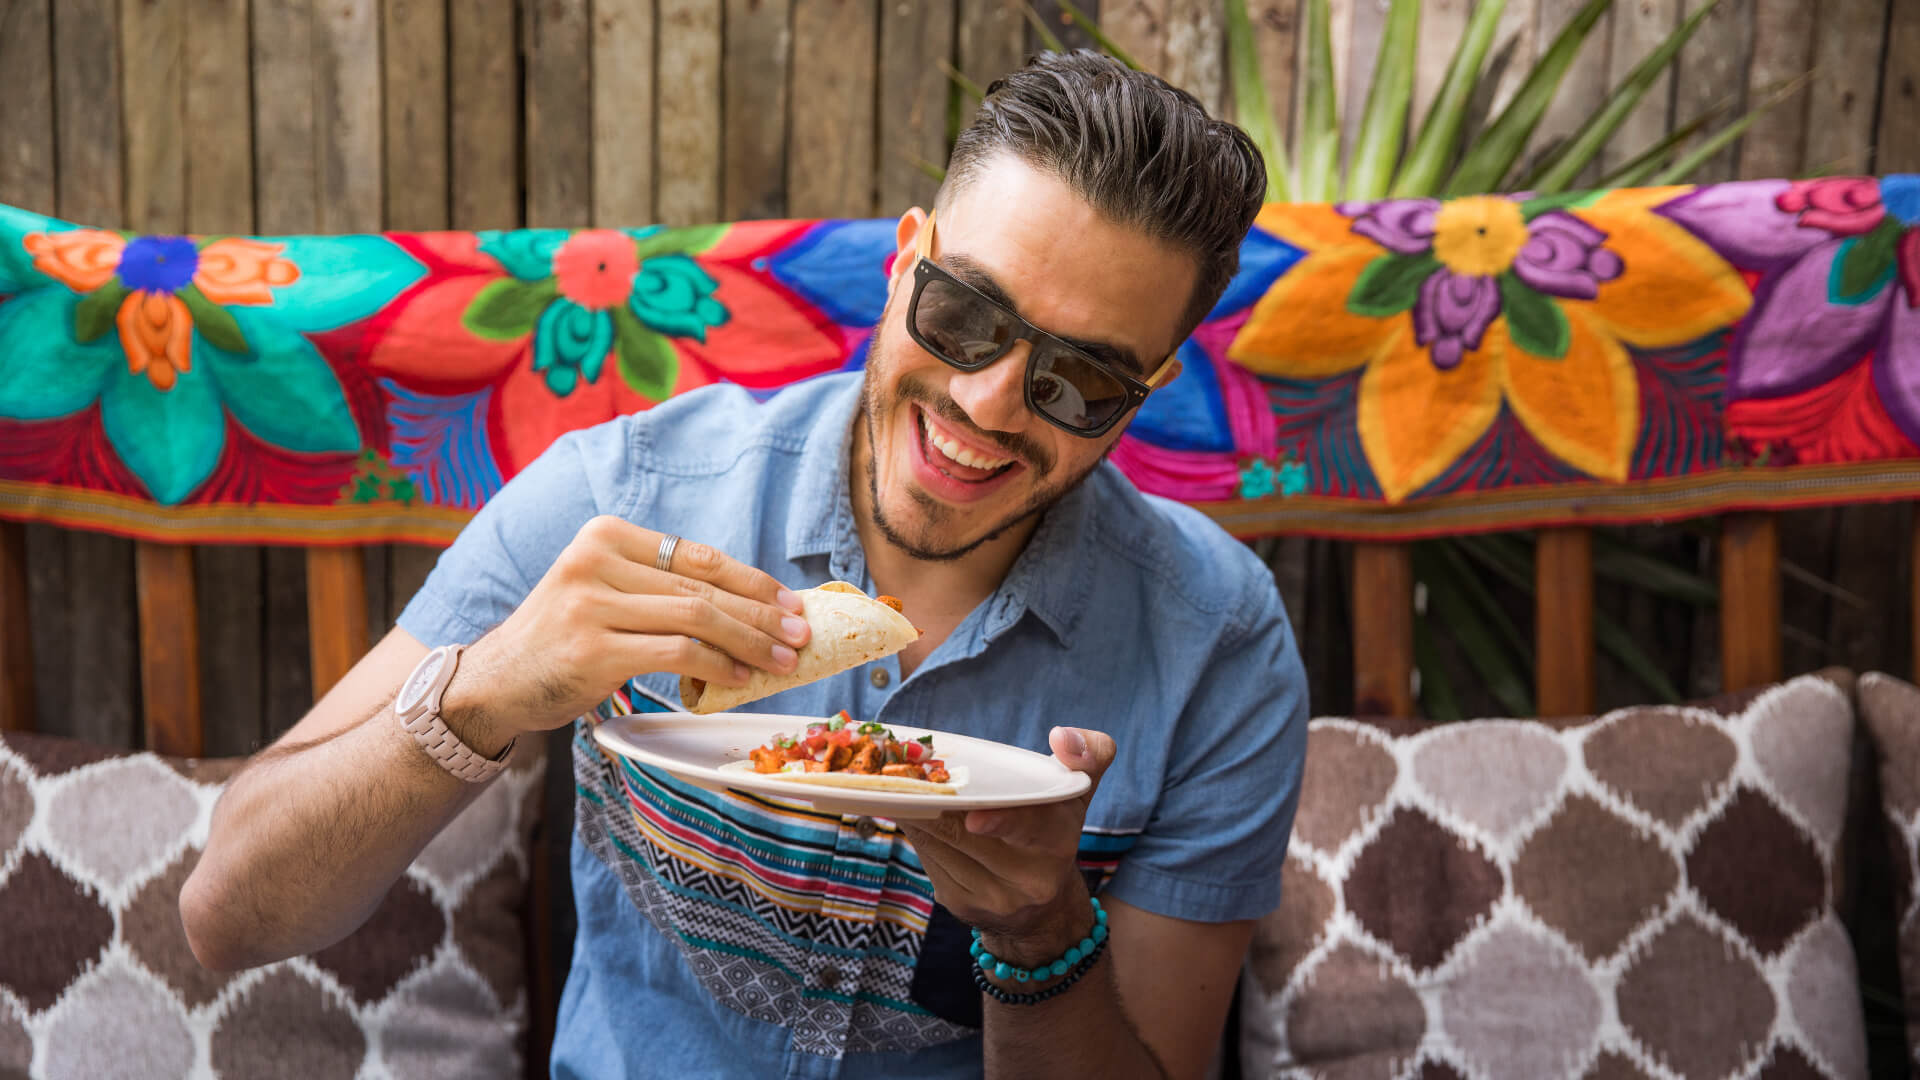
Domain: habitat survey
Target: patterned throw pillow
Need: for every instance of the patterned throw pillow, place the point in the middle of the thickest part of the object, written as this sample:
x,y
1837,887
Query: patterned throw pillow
x,y
1890,708
1648,893
97,979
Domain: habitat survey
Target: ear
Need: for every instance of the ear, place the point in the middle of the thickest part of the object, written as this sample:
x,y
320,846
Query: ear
x,y
905,236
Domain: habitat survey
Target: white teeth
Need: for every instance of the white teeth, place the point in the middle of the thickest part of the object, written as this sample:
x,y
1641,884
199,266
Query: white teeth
x,y
957,452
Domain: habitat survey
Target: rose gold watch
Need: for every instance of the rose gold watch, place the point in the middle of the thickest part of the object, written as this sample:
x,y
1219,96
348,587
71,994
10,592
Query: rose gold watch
x,y
418,708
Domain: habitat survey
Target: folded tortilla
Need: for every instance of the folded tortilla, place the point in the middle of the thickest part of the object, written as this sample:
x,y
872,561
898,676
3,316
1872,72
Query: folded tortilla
x,y
905,785
850,628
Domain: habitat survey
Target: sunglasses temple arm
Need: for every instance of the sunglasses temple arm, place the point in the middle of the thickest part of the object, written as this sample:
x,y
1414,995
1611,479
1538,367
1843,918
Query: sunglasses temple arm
x,y
1165,366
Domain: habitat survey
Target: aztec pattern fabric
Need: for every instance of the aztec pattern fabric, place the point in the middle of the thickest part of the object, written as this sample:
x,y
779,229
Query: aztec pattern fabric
x,y
1649,893
94,847
818,922
1890,708
1399,368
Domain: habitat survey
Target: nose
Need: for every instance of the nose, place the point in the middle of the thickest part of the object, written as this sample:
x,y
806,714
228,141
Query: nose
x,y
994,397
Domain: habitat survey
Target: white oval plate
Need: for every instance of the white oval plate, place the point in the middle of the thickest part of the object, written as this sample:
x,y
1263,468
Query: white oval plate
x,y
694,748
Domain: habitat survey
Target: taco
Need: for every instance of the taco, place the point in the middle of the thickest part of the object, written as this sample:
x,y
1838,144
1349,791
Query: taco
x,y
850,628
836,753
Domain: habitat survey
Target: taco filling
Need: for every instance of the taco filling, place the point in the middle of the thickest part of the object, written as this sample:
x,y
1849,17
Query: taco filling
x,y
837,745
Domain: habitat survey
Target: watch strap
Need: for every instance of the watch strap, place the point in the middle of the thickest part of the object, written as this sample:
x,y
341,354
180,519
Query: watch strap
x,y
431,733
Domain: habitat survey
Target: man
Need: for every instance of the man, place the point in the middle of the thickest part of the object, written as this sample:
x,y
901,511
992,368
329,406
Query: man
x,y
1090,218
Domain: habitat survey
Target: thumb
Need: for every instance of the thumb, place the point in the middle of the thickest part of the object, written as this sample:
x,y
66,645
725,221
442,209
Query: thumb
x,y
1083,750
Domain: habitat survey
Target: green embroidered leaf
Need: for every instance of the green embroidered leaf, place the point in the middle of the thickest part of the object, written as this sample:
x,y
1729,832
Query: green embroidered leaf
x,y
1864,265
689,241
1391,284
1566,200
93,316
1534,321
214,322
648,362
509,308
401,489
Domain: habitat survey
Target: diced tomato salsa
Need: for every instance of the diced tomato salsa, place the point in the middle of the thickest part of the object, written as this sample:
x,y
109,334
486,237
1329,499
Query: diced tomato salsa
x,y
837,745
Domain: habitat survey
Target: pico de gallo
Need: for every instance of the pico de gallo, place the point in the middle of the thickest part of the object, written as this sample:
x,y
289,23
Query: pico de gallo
x,y
837,744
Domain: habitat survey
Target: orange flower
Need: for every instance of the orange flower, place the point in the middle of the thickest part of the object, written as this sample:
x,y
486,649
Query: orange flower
x,y
156,330
237,271
81,259
1457,309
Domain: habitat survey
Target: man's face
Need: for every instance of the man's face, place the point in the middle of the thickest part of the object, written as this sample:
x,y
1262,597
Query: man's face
x,y
956,457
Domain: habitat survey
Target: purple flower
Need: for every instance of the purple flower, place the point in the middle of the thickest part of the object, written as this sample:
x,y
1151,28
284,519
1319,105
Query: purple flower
x,y
1402,226
1453,314
1563,257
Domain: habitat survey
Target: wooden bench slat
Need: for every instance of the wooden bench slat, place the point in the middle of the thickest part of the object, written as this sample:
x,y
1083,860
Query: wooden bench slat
x,y
1383,629
1750,652
1563,622
336,613
16,631
169,648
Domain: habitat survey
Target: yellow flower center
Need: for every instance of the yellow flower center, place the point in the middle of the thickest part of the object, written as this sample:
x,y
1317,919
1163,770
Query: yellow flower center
x,y
1480,235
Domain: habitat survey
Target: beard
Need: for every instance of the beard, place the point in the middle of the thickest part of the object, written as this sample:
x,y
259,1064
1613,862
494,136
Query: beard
x,y
931,538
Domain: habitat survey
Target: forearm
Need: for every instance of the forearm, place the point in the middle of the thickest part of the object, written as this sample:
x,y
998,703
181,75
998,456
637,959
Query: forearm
x,y
306,841
1081,1032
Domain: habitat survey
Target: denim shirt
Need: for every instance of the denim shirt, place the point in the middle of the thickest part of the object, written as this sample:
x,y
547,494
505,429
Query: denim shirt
x,y
725,935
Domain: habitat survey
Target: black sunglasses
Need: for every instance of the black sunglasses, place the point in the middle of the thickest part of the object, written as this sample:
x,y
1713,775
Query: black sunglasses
x,y
1065,385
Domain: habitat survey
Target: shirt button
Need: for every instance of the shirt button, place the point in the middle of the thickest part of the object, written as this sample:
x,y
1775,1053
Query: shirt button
x,y
866,827
880,678
831,978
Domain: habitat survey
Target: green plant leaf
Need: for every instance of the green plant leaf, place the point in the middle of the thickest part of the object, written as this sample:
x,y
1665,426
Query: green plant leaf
x,y
1625,565
1649,159
959,79
1376,149
1092,26
1492,155
1448,603
1483,599
1534,320
1558,173
1318,140
1865,263
1437,698
214,322
94,315
1391,284
1049,40
647,360
688,241
1719,140
1615,641
1436,145
1511,562
508,308
1252,108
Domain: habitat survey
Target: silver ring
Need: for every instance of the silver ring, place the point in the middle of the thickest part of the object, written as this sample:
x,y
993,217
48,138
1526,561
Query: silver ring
x,y
664,559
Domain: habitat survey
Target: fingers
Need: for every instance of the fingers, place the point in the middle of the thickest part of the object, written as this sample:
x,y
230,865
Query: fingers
x,y
691,559
1053,829
1084,751
678,654
760,634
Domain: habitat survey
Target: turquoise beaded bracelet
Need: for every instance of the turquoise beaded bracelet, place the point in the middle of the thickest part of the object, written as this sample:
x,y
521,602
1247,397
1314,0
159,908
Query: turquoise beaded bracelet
x,y
1005,972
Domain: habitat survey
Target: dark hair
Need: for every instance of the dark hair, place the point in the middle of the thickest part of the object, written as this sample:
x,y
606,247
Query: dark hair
x,y
1142,152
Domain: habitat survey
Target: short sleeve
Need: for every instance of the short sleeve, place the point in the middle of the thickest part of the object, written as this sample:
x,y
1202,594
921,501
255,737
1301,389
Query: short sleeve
x,y
1213,846
504,551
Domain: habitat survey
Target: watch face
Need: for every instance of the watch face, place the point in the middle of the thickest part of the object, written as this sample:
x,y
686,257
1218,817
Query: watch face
x,y
420,681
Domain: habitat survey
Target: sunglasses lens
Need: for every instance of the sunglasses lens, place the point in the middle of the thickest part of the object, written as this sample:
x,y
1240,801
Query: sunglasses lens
x,y
1069,388
963,329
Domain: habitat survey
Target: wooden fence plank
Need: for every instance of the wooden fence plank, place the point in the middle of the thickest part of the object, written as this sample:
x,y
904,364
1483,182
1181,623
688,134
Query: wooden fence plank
x,y
86,75
1196,57
413,94
1913,598
623,112
336,613
758,56
992,42
1638,28
687,172
27,152
559,110
485,118
1898,148
1749,600
1712,69
1844,91
1139,28
227,577
1383,629
913,101
169,649
1276,40
1783,35
16,632
1071,34
1563,622
1585,82
830,140
1441,24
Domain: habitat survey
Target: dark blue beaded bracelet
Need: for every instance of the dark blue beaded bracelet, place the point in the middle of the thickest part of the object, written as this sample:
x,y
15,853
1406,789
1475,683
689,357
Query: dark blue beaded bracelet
x,y
1007,997
1074,962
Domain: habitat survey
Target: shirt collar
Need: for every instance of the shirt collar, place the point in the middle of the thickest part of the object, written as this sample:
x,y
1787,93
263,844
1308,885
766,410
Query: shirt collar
x,y
1050,578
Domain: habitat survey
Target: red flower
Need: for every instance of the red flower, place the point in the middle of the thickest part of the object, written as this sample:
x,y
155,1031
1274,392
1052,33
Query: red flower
x,y
1842,205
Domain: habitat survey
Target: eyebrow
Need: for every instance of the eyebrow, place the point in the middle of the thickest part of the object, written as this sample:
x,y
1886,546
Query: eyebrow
x,y
970,271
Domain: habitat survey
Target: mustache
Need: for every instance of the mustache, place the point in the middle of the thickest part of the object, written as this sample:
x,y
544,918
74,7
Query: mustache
x,y
1011,444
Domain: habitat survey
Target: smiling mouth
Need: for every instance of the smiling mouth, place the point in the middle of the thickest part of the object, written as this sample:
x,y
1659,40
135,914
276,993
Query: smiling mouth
x,y
955,460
